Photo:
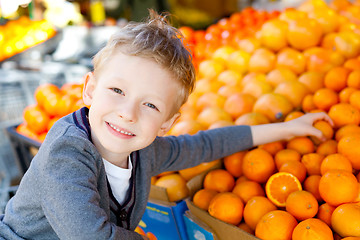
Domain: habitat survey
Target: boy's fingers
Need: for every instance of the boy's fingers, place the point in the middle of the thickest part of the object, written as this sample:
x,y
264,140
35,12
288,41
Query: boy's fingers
x,y
323,116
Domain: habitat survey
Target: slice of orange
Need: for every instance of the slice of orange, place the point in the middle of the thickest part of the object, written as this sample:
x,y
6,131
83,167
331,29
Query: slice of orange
x,y
280,185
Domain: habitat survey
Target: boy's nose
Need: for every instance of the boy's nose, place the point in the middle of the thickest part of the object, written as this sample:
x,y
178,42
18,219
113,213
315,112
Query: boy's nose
x,y
128,113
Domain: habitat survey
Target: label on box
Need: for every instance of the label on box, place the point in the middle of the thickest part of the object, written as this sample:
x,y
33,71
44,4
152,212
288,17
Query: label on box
x,y
197,230
165,222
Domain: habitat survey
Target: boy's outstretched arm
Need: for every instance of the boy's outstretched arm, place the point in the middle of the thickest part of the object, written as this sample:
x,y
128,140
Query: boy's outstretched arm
x,y
302,126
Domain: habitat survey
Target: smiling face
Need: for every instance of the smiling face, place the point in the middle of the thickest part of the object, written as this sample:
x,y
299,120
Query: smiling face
x,y
131,100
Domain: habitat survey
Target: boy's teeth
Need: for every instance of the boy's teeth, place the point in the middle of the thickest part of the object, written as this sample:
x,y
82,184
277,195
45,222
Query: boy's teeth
x,y
120,131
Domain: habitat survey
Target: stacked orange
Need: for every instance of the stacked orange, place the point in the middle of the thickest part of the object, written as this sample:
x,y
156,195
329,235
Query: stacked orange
x,y
306,60
21,34
51,104
227,31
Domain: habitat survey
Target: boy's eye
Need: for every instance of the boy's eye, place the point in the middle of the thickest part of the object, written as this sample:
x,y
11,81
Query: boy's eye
x,y
119,91
150,105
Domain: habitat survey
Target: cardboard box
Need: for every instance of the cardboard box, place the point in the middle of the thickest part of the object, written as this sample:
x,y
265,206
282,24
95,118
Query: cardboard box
x,y
196,229
223,230
165,220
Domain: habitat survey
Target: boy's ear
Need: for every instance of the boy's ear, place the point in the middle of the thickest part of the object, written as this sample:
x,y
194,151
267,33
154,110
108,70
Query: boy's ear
x,y
89,86
168,124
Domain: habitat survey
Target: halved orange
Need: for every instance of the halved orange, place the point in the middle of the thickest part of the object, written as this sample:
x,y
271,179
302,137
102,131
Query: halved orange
x,y
280,185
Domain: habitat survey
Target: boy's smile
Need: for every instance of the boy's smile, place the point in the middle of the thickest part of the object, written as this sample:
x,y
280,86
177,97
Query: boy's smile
x,y
131,100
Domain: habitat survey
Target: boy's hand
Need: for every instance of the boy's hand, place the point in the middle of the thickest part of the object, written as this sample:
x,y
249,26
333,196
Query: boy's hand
x,y
303,126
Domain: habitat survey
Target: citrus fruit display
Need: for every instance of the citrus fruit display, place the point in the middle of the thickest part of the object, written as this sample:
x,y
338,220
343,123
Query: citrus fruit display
x,y
305,59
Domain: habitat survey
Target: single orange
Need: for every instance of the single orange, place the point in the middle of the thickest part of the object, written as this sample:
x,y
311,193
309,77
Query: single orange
x,y
325,98
348,146
252,118
210,99
279,186
233,163
312,80
203,197
335,161
256,88
311,184
276,224
210,68
262,60
175,186
219,180
274,106
248,189
243,226
324,213
302,145
354,79
343,114
346,130
294,91
312,228
354,99
296,168
302,205
336,78
347,43
344,95
255,208
338,186
228,207
312,162
308,104
352,64
227,90
292,59
186,127
303,34
345,220
239,104
238,61
229,77
286,155
189,173
211,115
326,129
280,75
249,44
293,115
327,147
273,34
36,119
258,165
273,147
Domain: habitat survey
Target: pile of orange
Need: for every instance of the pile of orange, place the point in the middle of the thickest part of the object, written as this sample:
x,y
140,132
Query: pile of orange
x,y
51,104
305,60
23,33
227,31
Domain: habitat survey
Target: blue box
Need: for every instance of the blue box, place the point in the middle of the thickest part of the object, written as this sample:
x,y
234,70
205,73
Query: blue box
x,y
165,220
196,229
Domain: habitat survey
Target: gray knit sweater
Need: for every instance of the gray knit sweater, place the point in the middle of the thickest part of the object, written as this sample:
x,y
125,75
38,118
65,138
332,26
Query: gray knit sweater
x,y
65,193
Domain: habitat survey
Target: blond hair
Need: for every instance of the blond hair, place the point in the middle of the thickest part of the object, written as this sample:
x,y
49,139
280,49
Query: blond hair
x,y
155,39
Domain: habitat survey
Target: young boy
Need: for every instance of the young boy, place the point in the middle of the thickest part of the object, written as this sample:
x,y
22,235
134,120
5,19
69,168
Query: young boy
x,y
91,176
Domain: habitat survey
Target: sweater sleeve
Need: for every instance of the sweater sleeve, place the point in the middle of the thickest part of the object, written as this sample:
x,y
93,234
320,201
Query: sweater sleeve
x,y
70,196
175,153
